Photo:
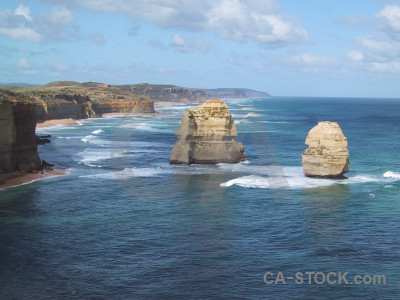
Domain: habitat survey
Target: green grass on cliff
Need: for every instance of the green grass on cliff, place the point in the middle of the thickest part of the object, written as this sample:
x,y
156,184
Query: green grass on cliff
x,y
99,92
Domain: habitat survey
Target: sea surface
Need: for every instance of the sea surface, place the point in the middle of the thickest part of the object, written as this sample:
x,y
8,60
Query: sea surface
x,y
124,224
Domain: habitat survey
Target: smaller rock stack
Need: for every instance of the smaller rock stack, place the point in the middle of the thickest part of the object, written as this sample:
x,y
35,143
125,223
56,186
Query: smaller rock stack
x,y
327,155
206,136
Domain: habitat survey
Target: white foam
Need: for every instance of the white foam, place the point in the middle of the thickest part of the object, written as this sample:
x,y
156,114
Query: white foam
x,y
98,131
274,122
248,108
87,138
89,157
242,121
391,174
285,178
95,140
68,137
129,173
252,115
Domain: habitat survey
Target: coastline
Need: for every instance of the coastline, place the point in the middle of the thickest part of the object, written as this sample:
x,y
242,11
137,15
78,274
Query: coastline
x,y
55,122
129,114
17,179
66,122
163,103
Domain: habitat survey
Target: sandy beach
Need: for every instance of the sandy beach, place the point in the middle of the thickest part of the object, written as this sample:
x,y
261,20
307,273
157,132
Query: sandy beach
x,y
56,122
16,179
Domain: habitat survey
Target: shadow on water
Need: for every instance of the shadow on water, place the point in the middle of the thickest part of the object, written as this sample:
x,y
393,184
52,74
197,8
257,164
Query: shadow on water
x,y
328,194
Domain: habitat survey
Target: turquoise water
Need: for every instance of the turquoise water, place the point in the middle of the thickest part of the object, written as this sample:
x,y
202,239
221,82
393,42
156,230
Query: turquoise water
x,y
124,224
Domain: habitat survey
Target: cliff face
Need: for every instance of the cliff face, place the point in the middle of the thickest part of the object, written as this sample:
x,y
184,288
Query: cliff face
x,y
64,111
327,155
124,107
18,149
77,106
166,93
206,136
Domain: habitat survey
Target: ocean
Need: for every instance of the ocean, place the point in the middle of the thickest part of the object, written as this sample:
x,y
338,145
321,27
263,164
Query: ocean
x,y
125,224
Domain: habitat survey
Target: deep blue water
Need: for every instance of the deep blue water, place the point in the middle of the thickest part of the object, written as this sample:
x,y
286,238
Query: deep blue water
x,y
124,224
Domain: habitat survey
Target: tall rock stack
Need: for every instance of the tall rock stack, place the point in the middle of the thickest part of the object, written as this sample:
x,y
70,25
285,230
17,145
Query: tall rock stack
x,y
327,154
18,148
206,136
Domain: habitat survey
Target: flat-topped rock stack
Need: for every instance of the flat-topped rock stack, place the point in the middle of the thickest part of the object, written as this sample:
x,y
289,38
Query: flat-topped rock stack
x,y
206,136
327,155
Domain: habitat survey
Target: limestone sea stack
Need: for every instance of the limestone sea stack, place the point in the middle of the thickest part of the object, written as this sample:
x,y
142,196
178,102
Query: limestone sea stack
x,y
327,155
206,136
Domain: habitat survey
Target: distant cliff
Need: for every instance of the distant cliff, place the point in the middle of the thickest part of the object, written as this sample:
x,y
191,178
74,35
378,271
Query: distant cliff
x,y
171,93
18,149
69,99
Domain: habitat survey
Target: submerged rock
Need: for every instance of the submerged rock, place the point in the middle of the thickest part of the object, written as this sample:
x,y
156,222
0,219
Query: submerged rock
x,y
327,155
206,136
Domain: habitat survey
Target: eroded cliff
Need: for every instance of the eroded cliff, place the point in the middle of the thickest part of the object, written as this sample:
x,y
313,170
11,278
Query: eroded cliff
x,y
88,105
206,136
68,99
18,149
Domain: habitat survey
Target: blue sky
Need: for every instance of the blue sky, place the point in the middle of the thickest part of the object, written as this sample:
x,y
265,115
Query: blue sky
x,y
284,47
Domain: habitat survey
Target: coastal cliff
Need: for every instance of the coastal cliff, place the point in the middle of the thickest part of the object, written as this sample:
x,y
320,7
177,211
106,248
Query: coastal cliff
x,y
206,136
172,93
327,154
68,99
18,149
127,106
102,92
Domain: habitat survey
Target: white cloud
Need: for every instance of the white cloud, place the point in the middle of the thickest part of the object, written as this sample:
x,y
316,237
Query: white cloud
x,y
21,25
238,20
23,10
356,55
60,16
21,33
303,62
389,17
306,59
182,45
381,48
385,67
23,63
380,52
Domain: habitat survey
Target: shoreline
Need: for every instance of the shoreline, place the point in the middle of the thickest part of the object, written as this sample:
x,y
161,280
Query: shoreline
x,y
16,179
74,122
174,103
129,114
55,122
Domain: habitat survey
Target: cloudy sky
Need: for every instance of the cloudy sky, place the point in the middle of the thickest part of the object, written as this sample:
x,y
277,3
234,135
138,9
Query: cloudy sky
x,y
284,47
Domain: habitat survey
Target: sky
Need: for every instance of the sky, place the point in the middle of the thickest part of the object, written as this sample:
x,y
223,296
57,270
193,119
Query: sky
x,y
311,48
